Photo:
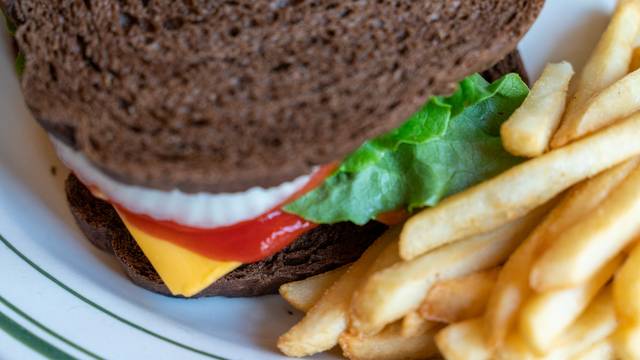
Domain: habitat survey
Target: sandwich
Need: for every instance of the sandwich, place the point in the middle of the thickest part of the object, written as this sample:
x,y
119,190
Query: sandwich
x,y
225,148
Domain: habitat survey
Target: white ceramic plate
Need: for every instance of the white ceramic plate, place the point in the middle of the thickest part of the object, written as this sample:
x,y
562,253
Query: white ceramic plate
x,y
59,295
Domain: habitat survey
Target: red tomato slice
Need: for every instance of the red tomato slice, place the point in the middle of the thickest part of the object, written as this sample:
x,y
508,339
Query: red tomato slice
x,y
247,241
393,217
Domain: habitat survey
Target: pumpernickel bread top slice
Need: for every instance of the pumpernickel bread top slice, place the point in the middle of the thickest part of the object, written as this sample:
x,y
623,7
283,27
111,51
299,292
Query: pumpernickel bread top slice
x,y
225,95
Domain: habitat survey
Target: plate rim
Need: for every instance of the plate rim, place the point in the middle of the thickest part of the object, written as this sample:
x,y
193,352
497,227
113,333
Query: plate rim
x,y
89,302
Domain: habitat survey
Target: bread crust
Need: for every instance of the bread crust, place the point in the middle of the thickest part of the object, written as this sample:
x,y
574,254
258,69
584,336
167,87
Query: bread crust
x,y
226,95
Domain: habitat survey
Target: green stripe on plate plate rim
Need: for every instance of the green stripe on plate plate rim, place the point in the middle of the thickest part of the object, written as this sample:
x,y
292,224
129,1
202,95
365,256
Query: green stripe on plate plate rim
x,y
30,340
102,309
12,329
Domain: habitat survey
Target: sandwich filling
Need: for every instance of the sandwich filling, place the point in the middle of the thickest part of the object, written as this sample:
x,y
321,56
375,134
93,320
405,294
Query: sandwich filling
x,y
188,258
194,239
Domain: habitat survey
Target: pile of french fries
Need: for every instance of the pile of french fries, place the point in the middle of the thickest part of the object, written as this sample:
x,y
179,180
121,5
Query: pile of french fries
x,y
540,262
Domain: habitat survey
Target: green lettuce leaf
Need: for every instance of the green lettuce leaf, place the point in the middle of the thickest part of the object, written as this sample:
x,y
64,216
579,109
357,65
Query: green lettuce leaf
x,y
11,27
449,145
20,63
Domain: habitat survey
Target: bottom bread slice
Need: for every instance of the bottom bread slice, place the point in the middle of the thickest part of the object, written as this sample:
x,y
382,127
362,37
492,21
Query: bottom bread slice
x,y
322,249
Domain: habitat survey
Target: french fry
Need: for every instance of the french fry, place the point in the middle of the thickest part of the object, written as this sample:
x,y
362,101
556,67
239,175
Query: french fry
x,y
413,323
545,316
515,347
321,327
389,256
463,341
584,248
390,294
390,344
596,324
626,289
512,287
518,190
635,60
529,130
616,102
626,342
600,351
626,293
303,294
459,299
609,63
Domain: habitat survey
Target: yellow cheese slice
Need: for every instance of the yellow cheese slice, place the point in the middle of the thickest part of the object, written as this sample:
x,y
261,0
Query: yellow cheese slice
x,y
184,272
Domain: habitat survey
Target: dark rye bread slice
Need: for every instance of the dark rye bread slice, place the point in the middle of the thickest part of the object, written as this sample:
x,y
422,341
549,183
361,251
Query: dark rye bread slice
x,y
511,63
225,95
319,250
